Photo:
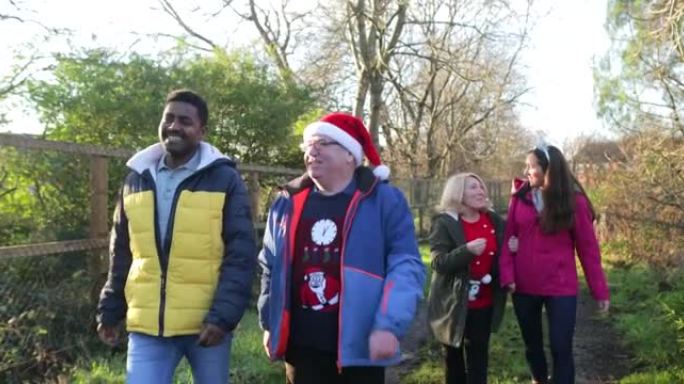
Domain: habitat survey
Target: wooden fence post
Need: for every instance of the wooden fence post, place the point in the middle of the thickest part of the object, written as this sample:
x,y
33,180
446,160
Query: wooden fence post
x,y
421,233
419,196
98,228
254,195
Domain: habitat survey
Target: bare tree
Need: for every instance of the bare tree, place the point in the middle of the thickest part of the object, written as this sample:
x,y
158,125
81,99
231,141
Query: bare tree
x,y
17,76
277,29
454,76
451,66
374,28
26,59
12,16
204,42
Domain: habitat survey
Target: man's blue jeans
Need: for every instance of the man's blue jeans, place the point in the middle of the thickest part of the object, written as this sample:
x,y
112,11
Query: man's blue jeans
x,y
153,359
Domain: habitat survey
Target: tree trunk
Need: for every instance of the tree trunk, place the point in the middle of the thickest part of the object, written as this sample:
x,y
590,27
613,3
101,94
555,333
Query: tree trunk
x,y
376,87
361,92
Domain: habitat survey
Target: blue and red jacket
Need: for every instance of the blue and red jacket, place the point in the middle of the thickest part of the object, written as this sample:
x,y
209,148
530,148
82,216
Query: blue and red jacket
x,y
382,274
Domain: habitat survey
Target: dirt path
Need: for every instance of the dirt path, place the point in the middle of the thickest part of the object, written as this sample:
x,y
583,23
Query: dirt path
x,y
600,358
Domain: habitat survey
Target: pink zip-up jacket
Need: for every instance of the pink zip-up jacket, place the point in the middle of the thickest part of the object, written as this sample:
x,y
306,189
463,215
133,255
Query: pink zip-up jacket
x,y
545,263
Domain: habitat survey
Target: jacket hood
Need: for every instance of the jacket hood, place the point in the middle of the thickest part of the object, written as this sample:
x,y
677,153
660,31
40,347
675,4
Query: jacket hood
x,y
149,157
517,184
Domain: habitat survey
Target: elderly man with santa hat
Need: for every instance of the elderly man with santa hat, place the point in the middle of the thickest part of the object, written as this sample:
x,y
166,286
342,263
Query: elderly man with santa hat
x,y
342,275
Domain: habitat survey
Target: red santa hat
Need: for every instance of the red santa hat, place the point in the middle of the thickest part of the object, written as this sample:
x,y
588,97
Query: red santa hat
x,y
350,132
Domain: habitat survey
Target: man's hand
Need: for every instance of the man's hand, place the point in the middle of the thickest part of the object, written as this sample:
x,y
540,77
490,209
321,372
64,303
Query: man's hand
x,y
210,335
382,345
266,342
108,335
603,306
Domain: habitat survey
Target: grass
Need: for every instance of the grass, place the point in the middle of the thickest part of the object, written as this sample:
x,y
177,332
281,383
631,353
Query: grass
x,y
649,313
506,359
650,316
248,362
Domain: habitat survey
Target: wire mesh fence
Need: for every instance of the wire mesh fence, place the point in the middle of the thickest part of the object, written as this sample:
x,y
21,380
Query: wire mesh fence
x,y
46,316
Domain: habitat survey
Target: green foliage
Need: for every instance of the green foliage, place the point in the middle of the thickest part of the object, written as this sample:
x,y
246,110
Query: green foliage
x,y
638,83
643,201
506,360
45,316
306,119
110,371
649,313
102,99
99,98
251,113
660,377
49,198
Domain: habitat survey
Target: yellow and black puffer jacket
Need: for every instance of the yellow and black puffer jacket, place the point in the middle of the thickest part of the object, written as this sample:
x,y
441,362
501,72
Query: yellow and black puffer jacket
x,y
202,273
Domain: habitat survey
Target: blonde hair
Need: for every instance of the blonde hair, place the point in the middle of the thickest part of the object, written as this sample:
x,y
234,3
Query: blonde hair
x,y
452,195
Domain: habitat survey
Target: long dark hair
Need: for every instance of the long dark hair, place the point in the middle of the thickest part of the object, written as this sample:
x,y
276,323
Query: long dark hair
x,y
560,186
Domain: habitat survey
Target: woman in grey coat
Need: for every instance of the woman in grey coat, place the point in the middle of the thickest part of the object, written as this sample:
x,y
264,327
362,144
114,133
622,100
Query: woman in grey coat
x,y
466,302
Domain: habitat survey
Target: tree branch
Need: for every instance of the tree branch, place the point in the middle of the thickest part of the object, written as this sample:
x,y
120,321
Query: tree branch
x,y
170,10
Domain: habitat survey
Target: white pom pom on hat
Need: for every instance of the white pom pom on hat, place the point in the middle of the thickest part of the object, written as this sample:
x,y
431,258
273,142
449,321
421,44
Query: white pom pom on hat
x,y
352,134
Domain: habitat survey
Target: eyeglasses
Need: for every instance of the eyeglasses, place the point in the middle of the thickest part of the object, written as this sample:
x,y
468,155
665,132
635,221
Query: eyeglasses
x,y
318,144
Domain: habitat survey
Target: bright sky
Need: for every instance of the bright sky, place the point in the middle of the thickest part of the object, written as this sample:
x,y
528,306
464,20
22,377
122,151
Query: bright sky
x,y
558,62
563,47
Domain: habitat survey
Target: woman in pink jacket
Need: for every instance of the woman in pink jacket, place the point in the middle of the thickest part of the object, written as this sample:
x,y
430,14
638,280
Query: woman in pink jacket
x,y
549,218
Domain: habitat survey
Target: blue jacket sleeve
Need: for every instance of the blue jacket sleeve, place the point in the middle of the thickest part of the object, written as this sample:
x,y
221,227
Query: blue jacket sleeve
x,y
266,257
112,307
239,260
405,274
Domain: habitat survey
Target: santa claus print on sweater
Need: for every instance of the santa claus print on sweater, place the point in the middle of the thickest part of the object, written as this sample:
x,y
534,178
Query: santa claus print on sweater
x,y
321,291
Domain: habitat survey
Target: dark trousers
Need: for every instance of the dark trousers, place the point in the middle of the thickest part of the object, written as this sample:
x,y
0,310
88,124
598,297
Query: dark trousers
x,y
561,312
309,366
468,363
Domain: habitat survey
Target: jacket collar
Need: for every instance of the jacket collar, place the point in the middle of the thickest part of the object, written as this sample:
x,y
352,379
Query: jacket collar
x,y
363,176
453,215
148,158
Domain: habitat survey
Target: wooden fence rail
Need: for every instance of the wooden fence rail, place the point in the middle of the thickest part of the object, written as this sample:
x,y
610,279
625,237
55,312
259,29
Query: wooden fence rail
x,y
53,248
99,175
420,195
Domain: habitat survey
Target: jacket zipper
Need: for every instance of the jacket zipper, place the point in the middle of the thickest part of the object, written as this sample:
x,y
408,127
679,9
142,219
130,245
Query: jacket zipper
x,y
165,248
160,249
286,285
351,213
293,221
